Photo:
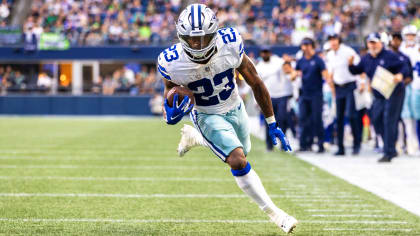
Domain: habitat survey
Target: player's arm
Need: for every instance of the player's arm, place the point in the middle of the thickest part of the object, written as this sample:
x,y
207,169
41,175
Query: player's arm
x,y
248,71
251,77
168,86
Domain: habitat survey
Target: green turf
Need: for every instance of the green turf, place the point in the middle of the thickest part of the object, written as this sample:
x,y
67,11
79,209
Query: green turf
x,y
137,156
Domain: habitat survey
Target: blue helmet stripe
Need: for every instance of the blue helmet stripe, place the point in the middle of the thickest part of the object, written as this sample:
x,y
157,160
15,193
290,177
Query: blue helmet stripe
x,y
199,17
192,17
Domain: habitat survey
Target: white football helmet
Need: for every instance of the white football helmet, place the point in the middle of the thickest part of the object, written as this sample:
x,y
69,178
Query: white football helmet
x,y
409,34
197,27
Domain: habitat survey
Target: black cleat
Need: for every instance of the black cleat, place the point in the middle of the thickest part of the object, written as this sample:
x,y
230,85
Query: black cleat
x,y
384,159
340,153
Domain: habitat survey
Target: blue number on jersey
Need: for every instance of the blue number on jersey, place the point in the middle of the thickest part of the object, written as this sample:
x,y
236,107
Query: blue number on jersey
x,y
171,54
228,34
417,68
205,98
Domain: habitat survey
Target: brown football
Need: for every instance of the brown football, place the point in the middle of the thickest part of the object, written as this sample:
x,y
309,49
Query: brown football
x,y
181,91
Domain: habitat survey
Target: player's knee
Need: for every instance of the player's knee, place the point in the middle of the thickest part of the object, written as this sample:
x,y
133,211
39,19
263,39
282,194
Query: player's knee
x,y
236,159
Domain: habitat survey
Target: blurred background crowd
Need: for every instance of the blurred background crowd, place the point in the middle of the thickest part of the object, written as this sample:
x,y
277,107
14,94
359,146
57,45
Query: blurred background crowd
x,y
132,22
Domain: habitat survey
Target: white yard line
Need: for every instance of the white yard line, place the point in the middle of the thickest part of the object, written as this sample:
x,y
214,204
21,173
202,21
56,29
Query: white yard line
x,y
337,205
354,215
341,210
142,167
367,229
158,195
193,221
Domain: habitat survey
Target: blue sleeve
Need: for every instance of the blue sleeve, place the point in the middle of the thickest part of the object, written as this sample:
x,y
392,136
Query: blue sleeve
x,y
408,69
297,67
321,64
358,69
395,65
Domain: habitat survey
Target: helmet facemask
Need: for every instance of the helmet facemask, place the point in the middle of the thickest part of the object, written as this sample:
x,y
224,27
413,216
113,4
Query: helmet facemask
x,y
199,48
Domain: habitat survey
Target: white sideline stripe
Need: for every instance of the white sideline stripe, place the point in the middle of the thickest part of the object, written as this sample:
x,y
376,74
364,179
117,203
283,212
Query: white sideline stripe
x,y
197,221
341,210
367,229
157,195
355,215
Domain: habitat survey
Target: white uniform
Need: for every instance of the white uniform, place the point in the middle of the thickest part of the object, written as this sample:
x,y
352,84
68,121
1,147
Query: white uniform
x,y
213,83
219,114
276,81
411,107
414,54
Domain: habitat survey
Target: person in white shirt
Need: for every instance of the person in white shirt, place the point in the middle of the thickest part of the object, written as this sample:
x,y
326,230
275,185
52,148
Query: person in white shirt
x,y
344,86
277,76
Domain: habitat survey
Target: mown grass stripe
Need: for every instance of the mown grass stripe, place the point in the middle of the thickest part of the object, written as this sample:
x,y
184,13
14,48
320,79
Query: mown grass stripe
x,y
195,221
158,195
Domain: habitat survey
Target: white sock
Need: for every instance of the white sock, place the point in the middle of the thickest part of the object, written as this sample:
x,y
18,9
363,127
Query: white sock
x,y
251,184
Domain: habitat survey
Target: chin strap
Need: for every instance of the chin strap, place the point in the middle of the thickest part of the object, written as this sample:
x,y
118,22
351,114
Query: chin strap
x,y
208,55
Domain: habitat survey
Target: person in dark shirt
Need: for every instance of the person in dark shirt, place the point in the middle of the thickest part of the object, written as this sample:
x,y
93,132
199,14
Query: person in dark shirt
x,y
312,69
407,121
385,113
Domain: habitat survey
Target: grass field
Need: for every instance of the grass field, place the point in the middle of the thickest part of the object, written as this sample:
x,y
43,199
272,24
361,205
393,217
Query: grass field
x,y
88,176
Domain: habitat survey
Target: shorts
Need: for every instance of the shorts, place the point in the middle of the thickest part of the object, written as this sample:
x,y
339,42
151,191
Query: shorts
x,y
224,132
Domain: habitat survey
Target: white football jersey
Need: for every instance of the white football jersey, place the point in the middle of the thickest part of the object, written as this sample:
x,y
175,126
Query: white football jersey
x,y
213,83
414,54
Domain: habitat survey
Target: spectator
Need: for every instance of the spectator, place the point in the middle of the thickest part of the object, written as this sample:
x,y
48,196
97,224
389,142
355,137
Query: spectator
x,y
109,85
4,10
44,82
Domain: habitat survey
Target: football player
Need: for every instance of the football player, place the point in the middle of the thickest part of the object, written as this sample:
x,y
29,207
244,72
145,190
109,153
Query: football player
x,y
204,61
411,107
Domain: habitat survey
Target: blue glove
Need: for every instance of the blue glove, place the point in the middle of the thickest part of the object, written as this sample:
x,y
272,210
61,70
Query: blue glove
x,y
275,132
175,113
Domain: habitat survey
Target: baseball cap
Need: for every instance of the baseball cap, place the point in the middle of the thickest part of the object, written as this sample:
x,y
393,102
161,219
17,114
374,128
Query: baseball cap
x,y
266,48
375,37
333,36
307,41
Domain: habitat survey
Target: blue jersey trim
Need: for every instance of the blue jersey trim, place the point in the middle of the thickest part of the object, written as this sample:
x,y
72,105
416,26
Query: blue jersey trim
x,y
163,72
219,153
243,171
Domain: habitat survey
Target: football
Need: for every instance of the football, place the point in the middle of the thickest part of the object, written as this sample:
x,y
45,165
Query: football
x,y
181,91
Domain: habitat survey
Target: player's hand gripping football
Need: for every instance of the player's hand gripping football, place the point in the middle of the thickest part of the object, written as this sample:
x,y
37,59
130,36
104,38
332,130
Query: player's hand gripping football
x,y
175,113
275,132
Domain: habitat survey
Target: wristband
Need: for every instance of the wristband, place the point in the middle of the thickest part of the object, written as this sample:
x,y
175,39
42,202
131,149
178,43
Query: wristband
x,y
270,120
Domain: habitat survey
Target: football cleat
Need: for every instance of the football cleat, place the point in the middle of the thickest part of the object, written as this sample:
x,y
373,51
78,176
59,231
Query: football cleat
x,y
190,138
284,221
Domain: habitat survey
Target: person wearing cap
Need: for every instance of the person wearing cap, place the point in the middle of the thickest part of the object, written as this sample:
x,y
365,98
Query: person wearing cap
x,y
312,70
279,85
385,113
344,86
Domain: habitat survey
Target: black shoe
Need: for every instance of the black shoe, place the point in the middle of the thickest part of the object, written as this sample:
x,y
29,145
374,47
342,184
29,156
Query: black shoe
x,y
303,150
340,153
321,150
385,159
356,151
